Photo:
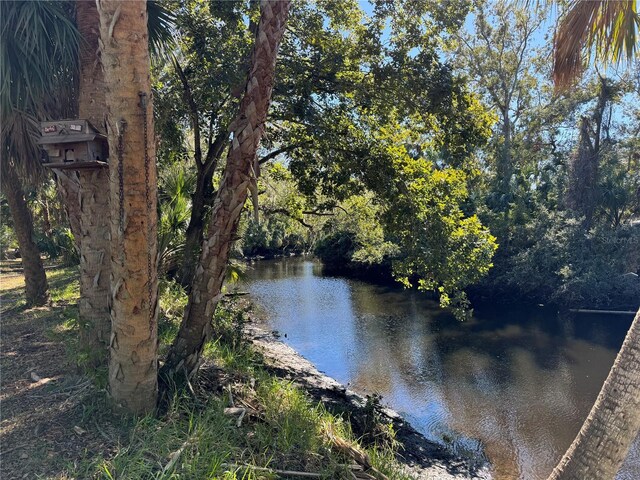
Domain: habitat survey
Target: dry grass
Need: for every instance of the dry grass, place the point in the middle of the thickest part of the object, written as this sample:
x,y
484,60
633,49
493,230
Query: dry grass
x,y
57,422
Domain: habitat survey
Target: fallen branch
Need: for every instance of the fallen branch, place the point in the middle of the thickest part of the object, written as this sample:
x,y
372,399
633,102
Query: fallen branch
x,y
17,447
241,412
359,456
607,312
286,473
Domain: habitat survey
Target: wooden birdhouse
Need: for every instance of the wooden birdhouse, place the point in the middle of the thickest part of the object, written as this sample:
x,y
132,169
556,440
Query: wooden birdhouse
x,y
73,144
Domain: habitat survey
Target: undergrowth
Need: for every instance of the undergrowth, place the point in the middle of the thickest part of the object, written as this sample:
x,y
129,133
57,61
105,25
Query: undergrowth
x,y
193,438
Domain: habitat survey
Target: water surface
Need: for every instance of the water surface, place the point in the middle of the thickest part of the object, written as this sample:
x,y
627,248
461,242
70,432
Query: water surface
x,y
511,385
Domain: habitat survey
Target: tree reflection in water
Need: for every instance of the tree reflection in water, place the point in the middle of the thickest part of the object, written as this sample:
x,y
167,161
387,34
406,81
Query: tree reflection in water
x,y
514,385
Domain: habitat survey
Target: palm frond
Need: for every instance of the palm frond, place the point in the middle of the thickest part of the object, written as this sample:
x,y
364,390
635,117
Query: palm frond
x,y
161,22
604,30
39,45
39,50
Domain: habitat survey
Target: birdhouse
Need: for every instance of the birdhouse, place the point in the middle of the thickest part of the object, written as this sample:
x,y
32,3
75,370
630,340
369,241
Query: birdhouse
x,y
73,144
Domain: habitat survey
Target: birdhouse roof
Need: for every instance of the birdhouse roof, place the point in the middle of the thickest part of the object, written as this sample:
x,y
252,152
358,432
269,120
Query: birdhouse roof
x,y
68,131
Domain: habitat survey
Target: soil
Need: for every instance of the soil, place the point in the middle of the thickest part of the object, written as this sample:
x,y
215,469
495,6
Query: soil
x,y
44,402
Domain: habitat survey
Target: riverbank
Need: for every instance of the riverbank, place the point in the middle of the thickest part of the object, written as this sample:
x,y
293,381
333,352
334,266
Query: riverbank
x,y
614,294
421,458
252,413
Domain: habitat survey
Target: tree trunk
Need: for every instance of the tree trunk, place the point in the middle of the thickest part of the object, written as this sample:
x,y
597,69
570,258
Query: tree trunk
x,y
613,423
95,237
200,201
582,185
247,128
504,168
91,89
34,276
133,379
95,264
69,192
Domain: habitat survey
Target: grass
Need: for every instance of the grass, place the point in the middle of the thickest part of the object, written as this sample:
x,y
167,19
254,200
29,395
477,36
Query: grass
x,y
193,438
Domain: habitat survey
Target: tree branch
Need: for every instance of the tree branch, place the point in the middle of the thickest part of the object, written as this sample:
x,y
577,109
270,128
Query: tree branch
x,y
275,153
287,213
215,151
193,110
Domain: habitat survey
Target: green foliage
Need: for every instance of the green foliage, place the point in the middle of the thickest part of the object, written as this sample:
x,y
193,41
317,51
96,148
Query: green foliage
x,y
552,259
175,186
619,183
283,227
172,300
546,255
363,108
390,158
59,244
39,43
39,47
271,236
208,61
354,235
442,249
8,240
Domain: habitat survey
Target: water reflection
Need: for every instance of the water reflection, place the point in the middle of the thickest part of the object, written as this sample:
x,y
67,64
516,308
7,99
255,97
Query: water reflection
x,y
511,385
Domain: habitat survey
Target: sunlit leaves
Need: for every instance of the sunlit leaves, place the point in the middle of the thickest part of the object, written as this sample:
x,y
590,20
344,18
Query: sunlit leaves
x,y
441,248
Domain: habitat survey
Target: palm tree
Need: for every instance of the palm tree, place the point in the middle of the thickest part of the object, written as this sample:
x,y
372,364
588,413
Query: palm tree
x,y
92,198
604,29
613,423
608,30
89,203
39,46
133,360
247,128
35,278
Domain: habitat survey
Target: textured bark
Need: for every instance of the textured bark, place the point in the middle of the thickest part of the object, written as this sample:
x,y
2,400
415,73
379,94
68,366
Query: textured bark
x,y
91,88
133,379
34,276
69,192
95,264
200,201
583,177
93,194
613,423
247,128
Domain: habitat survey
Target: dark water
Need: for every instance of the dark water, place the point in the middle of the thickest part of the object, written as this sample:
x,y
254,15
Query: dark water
x,y
512,385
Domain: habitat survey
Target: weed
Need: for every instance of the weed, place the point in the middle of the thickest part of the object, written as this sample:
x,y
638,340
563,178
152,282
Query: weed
x,y
194,439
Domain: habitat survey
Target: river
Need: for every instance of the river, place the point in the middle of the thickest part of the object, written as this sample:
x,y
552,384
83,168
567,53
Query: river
x,y
509,385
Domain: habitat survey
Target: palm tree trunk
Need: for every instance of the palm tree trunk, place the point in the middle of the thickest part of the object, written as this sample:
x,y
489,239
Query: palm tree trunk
x,y
133,378
34,276
247,128
95,264
95,238
69,193
613,423
581,197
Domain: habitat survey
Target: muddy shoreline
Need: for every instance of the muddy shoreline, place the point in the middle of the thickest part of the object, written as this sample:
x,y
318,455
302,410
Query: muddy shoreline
x,y
423,459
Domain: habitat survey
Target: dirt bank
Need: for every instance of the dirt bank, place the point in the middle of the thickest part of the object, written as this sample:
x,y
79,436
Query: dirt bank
x,y
423,459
